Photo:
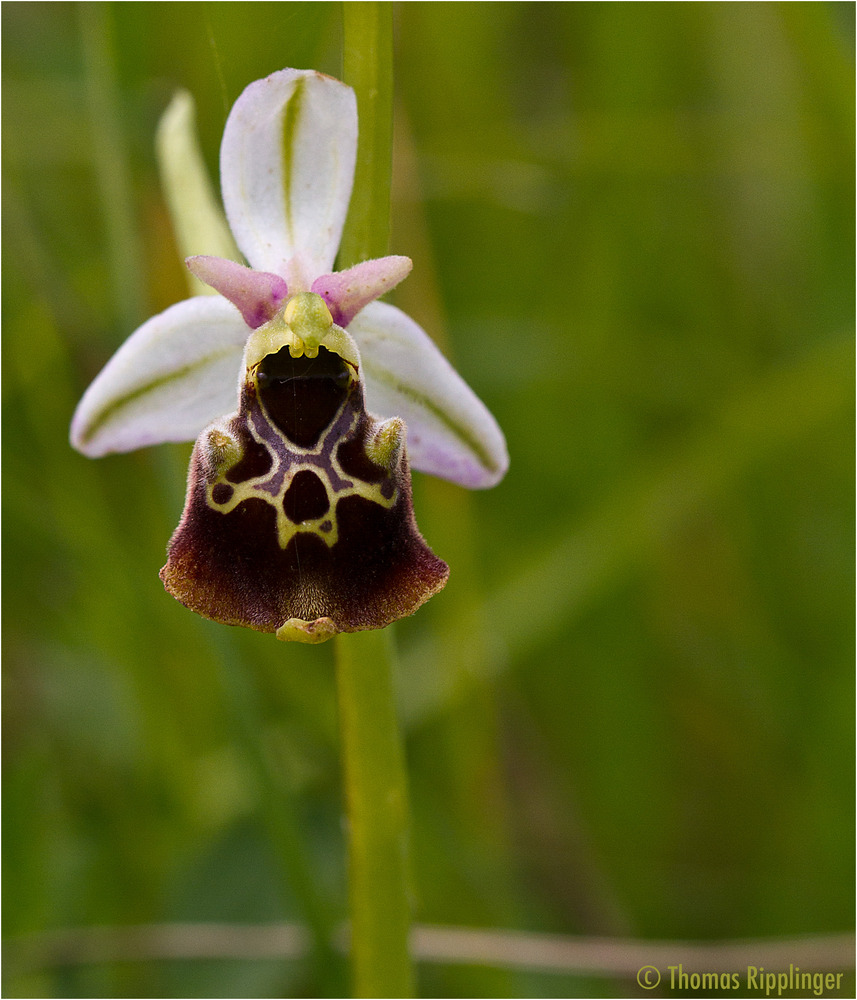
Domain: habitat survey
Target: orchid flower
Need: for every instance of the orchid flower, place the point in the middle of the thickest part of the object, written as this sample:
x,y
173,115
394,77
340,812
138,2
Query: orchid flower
x,y
308,399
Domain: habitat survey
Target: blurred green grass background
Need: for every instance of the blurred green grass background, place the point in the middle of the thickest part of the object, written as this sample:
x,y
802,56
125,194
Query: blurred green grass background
x,y
631,710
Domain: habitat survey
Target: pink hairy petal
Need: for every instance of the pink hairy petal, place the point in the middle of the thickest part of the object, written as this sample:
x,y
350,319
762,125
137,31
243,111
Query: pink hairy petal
x,y
347,292
256,294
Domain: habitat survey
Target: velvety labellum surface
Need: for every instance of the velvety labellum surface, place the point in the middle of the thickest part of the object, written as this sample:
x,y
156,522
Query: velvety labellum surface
x,y
299,509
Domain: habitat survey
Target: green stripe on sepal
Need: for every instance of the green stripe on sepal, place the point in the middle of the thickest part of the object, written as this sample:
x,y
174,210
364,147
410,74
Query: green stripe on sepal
x,y
176,374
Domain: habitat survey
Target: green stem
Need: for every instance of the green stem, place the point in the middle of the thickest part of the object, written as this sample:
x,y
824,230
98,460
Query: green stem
x,y
376,799
367,66
373,759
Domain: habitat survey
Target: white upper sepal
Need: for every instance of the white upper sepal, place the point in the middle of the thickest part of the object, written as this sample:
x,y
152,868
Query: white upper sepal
x,y
451,434
287,166
173,376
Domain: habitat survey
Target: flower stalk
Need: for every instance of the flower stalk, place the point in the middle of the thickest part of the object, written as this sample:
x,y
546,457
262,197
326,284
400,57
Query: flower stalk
x,y
367,66
373,760
377,809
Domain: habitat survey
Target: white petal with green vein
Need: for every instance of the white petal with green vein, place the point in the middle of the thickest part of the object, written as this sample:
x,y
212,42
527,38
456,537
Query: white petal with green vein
x,y
451,434
172,377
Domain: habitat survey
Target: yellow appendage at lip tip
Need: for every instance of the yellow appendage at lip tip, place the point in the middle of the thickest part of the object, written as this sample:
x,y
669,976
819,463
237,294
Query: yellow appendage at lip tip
x,y
298,630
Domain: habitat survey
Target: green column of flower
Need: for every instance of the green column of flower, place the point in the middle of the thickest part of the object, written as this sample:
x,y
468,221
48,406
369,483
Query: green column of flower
x,y
373,760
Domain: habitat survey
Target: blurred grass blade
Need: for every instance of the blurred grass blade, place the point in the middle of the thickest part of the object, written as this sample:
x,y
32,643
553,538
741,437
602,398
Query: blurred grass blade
x,y
110,162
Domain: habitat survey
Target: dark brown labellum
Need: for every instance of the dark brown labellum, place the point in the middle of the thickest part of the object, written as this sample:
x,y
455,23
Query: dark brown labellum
x,y
298,517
